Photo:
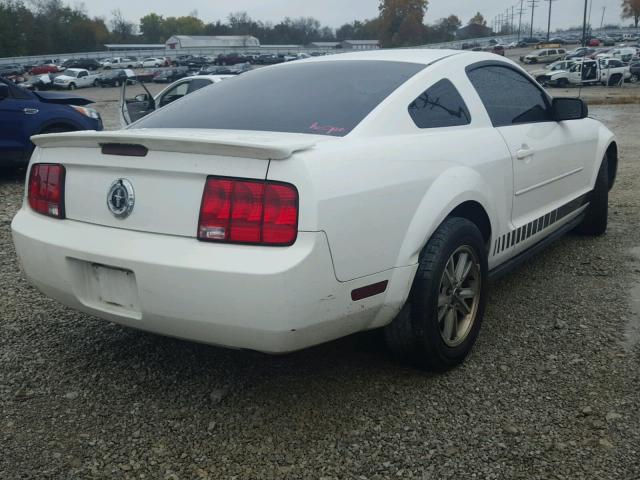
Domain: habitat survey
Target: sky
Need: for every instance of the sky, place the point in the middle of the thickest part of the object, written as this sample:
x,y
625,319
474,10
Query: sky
x,y
337,12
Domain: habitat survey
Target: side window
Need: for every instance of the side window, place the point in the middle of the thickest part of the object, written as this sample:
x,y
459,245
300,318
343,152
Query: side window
x,y
440,106
509,97
197,84
174,94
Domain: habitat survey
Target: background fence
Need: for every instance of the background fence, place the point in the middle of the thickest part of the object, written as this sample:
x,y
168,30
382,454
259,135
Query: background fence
x,y
267,49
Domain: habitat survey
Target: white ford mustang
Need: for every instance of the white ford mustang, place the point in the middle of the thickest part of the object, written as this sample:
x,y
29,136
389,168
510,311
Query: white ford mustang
x,y
307,201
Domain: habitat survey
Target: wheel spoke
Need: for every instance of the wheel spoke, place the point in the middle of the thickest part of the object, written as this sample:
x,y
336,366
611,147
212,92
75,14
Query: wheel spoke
x,y
461,266
443,311
449,324
443,300
462,306
467,293
450,272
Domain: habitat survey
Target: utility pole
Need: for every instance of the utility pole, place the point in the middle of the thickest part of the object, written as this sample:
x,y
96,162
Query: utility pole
x,y
549,22
520,12
511,27
533,4
584,24
604,9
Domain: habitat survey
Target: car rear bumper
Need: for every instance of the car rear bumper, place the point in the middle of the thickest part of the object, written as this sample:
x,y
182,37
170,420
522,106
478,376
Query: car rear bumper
x,y
267,299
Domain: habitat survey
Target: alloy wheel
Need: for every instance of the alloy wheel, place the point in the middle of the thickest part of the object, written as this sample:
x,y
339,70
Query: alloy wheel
x,y
459,296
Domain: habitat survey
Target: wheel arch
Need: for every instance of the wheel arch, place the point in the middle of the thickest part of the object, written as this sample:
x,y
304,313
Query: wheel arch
x,y
612,158
471,200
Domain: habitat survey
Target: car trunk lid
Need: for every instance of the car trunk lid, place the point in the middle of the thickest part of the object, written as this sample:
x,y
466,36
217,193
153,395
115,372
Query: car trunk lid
x,y
166,170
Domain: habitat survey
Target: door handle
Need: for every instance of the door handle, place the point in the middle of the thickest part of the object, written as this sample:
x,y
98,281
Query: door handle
x,y
30,111
525,152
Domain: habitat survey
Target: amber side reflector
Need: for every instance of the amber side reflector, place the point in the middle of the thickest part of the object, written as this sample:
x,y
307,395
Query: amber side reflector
x,y
369,291
124,150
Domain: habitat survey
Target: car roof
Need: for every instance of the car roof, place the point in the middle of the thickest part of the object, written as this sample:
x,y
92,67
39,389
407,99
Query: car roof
x,y
424,56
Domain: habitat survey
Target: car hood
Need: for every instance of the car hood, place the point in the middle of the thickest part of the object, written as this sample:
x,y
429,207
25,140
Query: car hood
x,y
65,77
62,98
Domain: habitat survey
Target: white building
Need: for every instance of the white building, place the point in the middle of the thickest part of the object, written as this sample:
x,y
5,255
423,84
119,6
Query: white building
x,y
360,44
181,42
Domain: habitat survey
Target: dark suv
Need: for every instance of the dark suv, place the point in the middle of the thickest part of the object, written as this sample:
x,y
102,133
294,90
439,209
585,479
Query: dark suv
x,y
88,63
24,113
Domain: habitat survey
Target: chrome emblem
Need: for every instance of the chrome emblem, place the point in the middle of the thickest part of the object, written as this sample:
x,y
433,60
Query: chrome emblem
x,y
121,198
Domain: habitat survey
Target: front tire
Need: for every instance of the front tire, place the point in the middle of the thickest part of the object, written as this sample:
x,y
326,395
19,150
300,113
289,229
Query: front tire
x,y
439,325
72,86
597,215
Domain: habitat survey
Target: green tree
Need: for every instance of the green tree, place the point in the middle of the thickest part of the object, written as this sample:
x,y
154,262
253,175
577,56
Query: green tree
x,y
401,22
152,28
631,9
478,19
183,26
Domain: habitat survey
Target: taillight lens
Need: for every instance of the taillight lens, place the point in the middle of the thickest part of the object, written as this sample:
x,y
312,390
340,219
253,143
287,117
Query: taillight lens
x,y
248,211
46,189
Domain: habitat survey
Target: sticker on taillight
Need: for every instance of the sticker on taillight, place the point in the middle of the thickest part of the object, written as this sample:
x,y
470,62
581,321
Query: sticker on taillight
x,y
46,189
248,212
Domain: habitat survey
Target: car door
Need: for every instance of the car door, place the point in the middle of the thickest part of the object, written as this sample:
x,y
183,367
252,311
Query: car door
x,y
16,111
551,160
83,79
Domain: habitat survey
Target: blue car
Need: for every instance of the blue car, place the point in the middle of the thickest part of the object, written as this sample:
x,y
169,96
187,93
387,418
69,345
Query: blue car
x,y
24,113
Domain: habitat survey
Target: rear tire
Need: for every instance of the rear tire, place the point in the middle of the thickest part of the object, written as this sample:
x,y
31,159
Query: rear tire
x,y
596,217
440,322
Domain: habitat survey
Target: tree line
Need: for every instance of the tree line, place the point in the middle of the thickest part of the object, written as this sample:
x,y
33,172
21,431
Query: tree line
x,y
51,26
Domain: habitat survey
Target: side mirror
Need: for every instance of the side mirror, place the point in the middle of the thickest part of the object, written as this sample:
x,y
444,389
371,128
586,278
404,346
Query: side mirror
x,y
564,109
143,97
4,91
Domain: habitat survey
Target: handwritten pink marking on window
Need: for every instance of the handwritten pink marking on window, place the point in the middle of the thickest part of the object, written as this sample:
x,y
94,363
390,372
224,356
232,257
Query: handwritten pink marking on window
x,y
327,129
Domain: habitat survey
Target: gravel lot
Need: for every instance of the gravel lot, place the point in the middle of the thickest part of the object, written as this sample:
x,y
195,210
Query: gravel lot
x,y
550,391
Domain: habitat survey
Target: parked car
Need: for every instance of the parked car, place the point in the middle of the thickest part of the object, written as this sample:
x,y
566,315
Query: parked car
x,y
230,70
543,76
133,109
591,72
44,68
171,75
531,40
231,221
634,70
624,54
195,63
594,42
75,78
232,59
24,113
11,70
115,78
498,50
269,59
86,63
581,52
39,82
151,62
546,55
118,62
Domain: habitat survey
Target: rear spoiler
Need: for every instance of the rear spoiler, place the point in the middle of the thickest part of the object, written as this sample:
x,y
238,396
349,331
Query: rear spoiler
x,y
264,146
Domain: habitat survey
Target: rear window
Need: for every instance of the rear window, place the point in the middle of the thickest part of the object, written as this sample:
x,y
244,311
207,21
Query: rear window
x,y
323,98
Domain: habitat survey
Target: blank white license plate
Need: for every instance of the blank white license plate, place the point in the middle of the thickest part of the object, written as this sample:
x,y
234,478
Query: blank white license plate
x,y
115,287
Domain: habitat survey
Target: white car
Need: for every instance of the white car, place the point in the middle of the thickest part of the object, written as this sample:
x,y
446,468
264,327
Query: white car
x,y
307,201
118,62
547,55
133,109
75,78
151,63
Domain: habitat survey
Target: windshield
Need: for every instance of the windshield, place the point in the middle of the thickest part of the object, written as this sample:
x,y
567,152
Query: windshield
x,y
323,98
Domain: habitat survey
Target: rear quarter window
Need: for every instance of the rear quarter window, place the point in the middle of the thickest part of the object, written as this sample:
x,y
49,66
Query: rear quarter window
x,y
439,106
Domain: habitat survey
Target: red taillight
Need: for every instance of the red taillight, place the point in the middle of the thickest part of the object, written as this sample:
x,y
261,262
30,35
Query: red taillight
x,y
248,211
46,189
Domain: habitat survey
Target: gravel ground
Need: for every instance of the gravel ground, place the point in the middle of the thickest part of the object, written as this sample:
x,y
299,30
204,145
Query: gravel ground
x,y
550,391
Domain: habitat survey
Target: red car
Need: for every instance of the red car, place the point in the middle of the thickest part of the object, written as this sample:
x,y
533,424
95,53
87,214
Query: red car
x,y
594,42
498,50
44,68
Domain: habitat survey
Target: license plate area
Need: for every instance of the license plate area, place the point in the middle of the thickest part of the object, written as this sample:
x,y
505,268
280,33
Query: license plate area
x,y
106,288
